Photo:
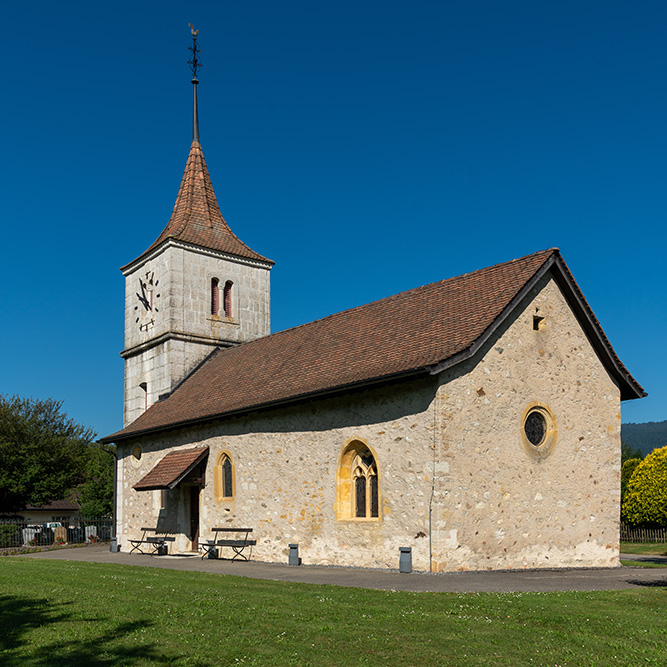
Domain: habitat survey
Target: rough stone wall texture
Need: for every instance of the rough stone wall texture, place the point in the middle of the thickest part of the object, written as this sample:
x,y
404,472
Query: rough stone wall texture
x,y
498,505
457,483
183,306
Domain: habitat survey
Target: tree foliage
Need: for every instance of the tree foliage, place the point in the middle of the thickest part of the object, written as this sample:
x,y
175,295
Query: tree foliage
x,y
44,455
96,492
629,451
645,437
627,470
646,495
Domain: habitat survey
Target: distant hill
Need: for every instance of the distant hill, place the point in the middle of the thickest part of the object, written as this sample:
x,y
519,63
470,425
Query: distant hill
x,y
645,437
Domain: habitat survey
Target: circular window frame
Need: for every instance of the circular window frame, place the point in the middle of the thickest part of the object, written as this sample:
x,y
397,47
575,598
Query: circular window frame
x,y
545,447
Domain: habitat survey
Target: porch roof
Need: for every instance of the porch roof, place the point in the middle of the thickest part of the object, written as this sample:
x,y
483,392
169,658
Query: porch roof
x,y
172,469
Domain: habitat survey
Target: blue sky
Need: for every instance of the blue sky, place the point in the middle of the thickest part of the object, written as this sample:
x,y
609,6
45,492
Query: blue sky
x,y
366,147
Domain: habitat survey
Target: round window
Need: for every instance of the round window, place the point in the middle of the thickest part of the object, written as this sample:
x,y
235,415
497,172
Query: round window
x,y
539,430
535,428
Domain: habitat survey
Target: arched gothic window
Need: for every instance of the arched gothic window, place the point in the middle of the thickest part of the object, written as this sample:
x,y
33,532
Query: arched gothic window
x,y
227,298
364,473
223,477
215,296
358,489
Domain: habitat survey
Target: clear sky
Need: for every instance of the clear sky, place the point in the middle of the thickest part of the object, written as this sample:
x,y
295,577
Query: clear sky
x,y
366,147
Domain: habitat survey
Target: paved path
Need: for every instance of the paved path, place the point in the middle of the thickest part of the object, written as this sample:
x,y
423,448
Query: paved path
x,y
454,582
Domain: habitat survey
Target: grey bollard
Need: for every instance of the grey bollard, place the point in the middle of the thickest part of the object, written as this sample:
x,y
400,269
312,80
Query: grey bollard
x,y
405,561
115,547
294,555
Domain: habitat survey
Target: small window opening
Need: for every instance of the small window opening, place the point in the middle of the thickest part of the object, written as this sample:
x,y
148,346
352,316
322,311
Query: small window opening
x,y
144,388
227,295
215,296
538,318
535,428
227,490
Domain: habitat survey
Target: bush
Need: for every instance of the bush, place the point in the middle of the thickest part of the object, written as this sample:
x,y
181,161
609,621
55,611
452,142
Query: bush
x,y
627,471
646,496
8,536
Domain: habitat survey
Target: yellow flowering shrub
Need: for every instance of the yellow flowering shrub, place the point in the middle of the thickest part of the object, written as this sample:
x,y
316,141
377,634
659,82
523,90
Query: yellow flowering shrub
x,y
645,500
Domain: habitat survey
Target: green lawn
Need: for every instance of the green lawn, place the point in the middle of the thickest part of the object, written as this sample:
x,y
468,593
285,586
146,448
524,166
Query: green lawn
x,y
66,613
645,548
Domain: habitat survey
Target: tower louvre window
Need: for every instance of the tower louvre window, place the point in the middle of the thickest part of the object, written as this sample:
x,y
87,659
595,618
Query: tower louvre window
x,y
215,296
227,294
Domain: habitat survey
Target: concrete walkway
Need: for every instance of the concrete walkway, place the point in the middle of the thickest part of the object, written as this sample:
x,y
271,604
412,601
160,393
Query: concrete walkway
x,y
504,581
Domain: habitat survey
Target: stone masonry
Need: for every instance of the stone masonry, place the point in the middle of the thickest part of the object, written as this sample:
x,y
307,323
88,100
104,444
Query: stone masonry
x,y
458,482
164,344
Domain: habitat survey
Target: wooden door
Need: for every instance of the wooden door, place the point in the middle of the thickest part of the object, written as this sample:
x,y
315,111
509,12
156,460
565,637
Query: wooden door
x,y
194,517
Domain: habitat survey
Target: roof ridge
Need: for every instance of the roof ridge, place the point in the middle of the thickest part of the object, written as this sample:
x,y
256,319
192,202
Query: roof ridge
x,y
413,290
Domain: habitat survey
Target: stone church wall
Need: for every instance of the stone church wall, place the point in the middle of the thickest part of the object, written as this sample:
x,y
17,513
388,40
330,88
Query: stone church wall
x,y
457,481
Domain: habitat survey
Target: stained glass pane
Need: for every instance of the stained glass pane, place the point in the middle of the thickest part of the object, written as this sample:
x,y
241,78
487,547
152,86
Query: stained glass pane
x,y
535,428
227,491
360,489
374,496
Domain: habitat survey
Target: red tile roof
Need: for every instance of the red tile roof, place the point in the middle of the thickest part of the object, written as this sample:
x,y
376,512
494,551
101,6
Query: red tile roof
x,y
196,218
172,469
55,505
422,330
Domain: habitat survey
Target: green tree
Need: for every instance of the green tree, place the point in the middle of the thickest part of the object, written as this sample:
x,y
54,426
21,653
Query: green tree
x,y
628,452
96,492
626,473
646,495
43,453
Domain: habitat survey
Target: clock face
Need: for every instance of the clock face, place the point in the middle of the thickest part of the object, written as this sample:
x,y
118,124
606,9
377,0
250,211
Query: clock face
x,y
147,296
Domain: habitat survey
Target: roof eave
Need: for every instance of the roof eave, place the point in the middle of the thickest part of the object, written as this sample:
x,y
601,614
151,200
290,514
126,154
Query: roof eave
x,y
268,405
630,389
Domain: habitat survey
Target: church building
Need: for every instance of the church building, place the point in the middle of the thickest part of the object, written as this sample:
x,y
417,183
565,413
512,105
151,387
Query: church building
x,y
476,419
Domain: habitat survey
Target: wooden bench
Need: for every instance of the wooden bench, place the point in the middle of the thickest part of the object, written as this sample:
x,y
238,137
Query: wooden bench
x,y
238,546
157,541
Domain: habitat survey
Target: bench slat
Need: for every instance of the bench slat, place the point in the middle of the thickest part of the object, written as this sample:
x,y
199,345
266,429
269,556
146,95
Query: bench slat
x,y
231,530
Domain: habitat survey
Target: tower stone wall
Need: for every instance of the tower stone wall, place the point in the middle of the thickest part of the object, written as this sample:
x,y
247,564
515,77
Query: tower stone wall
x,y
165,342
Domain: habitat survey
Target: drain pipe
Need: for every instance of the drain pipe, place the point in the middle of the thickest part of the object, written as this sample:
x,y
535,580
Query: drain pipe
x,y
430,500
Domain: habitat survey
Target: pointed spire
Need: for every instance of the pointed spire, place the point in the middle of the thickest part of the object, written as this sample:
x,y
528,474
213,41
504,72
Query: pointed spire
x,y
195,115
195,64
196,218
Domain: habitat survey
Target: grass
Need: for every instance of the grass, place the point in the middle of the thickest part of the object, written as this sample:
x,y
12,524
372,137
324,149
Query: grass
x,y
641,563
644,548
66,613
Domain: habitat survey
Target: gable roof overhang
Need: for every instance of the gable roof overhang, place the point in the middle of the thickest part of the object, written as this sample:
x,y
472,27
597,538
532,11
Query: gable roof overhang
x,y
628,386
171,470
505,285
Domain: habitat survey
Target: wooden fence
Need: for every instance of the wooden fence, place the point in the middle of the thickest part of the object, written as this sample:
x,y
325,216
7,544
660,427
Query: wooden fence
x,y
639,534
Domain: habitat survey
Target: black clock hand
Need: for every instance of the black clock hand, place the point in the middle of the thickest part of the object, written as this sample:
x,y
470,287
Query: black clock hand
x,y
144,298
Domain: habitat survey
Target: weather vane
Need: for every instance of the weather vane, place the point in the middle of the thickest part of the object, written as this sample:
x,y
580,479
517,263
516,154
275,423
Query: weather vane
x,y
194,63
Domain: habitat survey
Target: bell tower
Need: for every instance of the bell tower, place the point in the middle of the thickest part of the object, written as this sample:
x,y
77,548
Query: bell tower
x,y
197,287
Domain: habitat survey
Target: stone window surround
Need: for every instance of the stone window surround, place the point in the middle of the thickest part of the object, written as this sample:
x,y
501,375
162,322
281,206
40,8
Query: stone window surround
x,y
545,448
344,506
218,474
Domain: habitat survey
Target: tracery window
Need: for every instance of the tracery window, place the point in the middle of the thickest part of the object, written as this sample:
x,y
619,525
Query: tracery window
x,y
357,483
365,486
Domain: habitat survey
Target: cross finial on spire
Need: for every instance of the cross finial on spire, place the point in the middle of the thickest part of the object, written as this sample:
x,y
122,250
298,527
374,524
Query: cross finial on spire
x,y
195,64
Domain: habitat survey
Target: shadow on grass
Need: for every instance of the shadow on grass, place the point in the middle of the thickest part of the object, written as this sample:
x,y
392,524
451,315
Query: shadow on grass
x,y
659,583
19,616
